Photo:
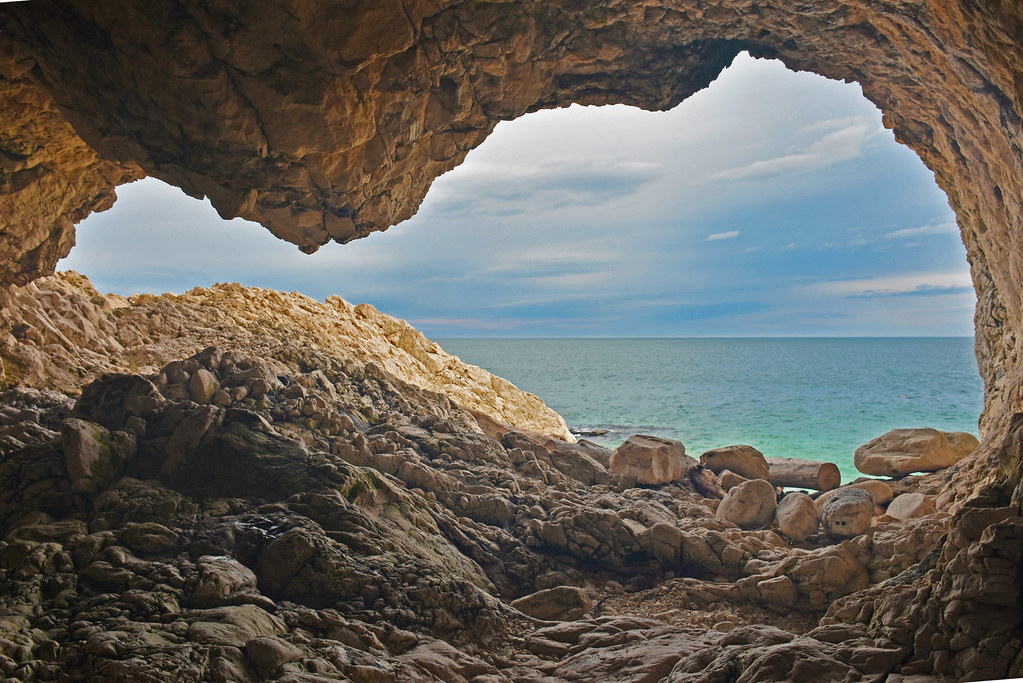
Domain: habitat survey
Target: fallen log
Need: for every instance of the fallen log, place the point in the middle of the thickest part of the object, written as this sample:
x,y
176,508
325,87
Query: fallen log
x,y
808,474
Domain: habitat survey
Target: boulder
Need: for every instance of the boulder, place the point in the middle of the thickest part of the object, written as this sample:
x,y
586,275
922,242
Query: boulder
x,y
904,451
203,385
234,626
270,652
750,505
730,479
651,460
911,506
743,460
221,577
93,455
797,516
848,512
881,491
562,603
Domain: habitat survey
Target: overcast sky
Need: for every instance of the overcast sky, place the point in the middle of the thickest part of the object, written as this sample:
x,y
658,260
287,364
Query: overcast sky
x,y
770,204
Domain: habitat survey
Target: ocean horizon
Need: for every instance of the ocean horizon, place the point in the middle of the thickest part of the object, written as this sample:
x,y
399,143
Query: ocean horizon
x,y
804,397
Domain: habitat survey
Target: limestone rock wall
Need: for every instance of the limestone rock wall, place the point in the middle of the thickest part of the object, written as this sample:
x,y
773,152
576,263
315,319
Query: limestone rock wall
x,y
326,120
60,333
49,178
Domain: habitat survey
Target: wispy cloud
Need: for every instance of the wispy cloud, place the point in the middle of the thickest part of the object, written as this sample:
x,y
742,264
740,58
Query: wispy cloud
x,y
722,235
933,229
518,186
914,284
845,139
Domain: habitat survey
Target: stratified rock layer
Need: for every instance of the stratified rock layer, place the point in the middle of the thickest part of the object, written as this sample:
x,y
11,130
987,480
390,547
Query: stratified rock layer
x,y
337,125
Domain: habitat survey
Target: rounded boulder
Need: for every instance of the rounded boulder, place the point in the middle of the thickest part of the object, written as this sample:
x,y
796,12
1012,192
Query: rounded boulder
x,y
797,516
750,505
848,513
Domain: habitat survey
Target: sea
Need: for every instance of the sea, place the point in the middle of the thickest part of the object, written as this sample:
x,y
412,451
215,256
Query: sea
x,y
813,398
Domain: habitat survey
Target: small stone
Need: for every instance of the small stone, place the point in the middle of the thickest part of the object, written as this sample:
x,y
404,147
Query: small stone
x,y
724,626
848,513
750,505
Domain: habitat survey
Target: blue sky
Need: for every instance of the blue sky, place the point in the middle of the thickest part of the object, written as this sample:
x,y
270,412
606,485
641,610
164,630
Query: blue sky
x,y
770,204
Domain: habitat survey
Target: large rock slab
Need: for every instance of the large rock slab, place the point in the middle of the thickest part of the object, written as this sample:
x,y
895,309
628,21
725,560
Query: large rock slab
x,y
651,460
904,451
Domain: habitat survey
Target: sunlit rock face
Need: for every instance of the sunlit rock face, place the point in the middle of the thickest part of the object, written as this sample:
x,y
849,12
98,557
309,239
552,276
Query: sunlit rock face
x,y
327,121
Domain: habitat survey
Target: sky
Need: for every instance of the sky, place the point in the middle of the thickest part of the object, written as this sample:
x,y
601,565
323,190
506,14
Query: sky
x,y
772,203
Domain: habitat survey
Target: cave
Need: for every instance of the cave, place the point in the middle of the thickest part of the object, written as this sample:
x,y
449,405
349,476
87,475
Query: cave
x,y
325,121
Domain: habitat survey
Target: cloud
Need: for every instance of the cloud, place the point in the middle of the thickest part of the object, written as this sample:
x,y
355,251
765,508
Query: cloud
x,y
565,221
477,323
526,184
845,140
948,227
912,284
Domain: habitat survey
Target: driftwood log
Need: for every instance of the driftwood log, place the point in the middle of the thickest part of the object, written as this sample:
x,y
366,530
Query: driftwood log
x,y
811,474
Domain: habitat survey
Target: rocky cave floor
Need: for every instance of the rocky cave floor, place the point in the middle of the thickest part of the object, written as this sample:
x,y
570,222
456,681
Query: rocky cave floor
x,y
294,516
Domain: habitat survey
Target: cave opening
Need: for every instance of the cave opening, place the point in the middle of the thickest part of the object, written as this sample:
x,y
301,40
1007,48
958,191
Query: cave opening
x,y
771,205
240,105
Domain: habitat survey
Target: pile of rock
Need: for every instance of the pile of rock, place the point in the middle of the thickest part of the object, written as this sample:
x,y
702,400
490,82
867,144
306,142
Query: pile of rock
x,y
753,484
291,513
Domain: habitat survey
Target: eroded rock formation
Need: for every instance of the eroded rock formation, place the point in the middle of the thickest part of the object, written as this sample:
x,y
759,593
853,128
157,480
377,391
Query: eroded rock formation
x,y
329,121
59,333
381,544
278,511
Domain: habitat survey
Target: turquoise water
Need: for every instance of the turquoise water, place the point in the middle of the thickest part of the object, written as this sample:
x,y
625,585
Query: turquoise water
x,y
801,398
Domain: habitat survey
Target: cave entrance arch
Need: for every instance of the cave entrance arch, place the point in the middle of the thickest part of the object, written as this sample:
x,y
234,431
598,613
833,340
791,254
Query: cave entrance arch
x,y
769,204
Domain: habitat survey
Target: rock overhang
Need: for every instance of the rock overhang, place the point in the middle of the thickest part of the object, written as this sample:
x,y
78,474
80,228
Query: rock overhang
x,y
328,121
